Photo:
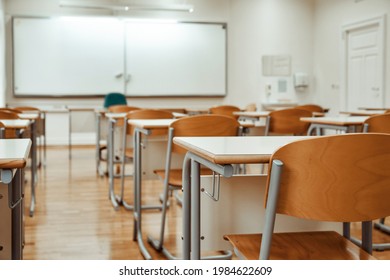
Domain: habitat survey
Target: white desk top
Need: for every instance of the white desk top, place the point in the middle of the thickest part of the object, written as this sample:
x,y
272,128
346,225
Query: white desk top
x,y
18,123
122,115
342,120
231,150
29,116
115,115
253,114
150,124
363,112
14,152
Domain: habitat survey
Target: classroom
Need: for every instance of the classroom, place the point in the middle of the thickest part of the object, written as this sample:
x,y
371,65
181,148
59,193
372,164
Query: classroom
x,y
174,112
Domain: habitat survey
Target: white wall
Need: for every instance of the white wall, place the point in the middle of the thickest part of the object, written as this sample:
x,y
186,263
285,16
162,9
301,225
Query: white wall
x,y
330,16
268,27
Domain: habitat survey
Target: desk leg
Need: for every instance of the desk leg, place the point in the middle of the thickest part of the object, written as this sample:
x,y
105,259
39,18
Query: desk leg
x,y
137,195
186,207
44,138
195,210
17,217
33,167
70,135
97,150
110,151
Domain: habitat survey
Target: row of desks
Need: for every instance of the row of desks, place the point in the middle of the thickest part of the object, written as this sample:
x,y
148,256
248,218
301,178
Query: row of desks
x,y
28,121
13,158
219,154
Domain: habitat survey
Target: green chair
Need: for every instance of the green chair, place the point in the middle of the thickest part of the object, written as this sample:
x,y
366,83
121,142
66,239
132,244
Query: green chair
x,y
114,98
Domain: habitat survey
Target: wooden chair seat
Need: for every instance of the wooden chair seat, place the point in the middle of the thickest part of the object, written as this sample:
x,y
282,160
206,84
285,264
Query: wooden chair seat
x,y
175,175
318,245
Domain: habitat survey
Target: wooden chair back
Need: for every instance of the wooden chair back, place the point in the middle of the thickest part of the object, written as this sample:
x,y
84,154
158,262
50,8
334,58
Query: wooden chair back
x,y
40,128
2,130
338,178
204,125
226,110
311,107
121,109
287,121
251,107
9,115
377,123
27,109
341,178
11,110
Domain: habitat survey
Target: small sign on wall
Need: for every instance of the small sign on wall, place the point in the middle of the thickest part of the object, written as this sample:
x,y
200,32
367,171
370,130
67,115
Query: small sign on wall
x,y
276,65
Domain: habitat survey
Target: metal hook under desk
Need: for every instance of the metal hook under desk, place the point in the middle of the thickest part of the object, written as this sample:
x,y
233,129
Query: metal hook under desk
x,y
214,195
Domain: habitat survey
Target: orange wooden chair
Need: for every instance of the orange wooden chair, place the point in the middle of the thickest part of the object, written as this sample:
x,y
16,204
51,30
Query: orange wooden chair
x,y
287,122
226,110
339,178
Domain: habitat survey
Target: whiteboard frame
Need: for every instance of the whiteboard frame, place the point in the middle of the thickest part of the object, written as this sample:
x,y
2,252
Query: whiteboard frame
x,y
224,25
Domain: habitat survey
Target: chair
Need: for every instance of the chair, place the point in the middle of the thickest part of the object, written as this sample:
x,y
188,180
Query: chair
x,y
102,146
114,98
40,125
338,178
198,125
226,110
2,131
251,107
287,121
9,115
121,108
12,110
378,124
128,131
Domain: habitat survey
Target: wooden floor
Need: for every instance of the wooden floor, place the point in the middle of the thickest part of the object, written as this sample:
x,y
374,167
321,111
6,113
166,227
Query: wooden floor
x,y
74,218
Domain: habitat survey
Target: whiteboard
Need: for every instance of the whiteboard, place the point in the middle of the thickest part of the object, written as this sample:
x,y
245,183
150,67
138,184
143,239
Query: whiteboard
x,y
175,59
90,56
67,56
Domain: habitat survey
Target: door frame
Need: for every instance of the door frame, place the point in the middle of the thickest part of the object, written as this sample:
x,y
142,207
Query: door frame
x,y
381,22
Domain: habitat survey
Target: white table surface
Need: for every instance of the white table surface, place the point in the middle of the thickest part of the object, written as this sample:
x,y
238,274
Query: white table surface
x,y
14,152
232,150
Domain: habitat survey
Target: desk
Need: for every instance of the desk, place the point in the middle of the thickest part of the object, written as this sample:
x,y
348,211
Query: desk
x,y
255,115
347,124
20,124
100,143
40,118
112,121
142,127
363,112
218,154
13,158
76,109
374,108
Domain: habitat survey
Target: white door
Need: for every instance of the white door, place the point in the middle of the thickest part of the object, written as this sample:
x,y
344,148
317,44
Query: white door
x,y
364,66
